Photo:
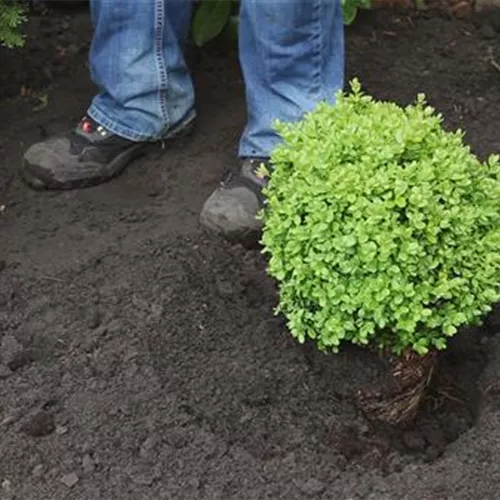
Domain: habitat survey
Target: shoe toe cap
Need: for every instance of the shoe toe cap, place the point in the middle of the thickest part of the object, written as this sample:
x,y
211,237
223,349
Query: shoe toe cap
x,y
231,212
43,162
46,155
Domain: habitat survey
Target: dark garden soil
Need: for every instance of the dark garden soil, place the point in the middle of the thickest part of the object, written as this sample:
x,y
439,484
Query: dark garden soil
x,y
140,358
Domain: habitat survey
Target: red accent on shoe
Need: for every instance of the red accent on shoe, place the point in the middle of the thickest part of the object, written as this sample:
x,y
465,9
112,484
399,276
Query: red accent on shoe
x,y
87,126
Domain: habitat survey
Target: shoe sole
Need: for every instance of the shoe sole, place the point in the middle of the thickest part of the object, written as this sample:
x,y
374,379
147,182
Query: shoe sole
x,y
41,179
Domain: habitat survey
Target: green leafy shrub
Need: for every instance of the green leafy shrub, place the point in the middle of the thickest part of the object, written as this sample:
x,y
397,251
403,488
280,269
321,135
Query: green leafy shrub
x,y
12,15
350,9
382,228
212,17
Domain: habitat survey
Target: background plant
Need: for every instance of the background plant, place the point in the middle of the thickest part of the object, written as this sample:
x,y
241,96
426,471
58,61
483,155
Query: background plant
x,y
212,17
12,16
382,228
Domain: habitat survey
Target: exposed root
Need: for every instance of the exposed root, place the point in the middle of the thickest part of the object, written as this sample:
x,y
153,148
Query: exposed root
x,y
411,374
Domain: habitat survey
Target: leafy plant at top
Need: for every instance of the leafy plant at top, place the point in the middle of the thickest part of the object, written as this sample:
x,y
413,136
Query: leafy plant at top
x,y
382,228
12,15
212,17
350,9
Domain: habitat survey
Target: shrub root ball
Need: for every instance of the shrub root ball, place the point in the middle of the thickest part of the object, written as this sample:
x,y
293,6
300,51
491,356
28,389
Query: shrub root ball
x,y
398,403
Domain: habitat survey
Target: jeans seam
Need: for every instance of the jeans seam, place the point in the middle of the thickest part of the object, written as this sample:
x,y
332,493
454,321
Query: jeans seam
x,y
317,41
160,60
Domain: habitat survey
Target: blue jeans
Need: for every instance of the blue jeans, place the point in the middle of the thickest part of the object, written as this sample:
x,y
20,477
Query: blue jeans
x,y
291,54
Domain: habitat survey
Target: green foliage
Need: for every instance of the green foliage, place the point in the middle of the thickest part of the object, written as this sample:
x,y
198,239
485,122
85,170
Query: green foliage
x,y
382,228
12,15
350,9
212,17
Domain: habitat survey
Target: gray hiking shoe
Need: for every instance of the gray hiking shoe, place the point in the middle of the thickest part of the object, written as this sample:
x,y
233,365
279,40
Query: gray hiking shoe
x,y
232,208
87,156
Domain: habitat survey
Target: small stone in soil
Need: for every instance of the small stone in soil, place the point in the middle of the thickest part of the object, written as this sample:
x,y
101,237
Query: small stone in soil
x,y
88,464
86,447
311,488
61,430
5,371
10,349
95,319
141,475
9,419
70,479
22,359
40,424
147,446
37,470
6,491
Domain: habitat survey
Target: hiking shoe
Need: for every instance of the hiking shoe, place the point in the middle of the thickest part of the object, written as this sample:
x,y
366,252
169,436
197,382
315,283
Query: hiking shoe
x,y
232,208
87,156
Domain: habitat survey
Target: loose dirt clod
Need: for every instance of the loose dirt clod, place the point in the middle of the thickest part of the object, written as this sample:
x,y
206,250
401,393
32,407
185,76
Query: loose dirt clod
x,y
38,470
311,488
10,350
40,424
5,371
88,464
61,430
70,480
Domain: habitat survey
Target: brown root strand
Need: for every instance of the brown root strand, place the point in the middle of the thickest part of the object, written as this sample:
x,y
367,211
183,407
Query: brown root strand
x,y
411,374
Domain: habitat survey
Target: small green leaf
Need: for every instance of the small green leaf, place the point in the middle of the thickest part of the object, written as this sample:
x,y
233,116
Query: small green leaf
x,y
349,10
12,16
210,19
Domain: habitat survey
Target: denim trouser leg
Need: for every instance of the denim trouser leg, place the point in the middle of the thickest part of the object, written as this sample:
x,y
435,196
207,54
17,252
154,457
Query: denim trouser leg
x,y
137,63
292,56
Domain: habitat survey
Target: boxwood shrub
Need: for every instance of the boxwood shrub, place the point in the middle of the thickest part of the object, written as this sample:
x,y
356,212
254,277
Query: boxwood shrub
x,y
382,228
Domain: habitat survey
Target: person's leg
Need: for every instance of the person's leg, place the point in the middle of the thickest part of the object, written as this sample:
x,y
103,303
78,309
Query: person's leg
x,y
292,57
138,65
145,94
